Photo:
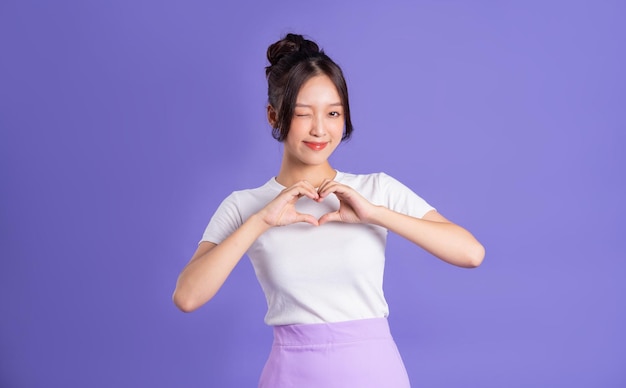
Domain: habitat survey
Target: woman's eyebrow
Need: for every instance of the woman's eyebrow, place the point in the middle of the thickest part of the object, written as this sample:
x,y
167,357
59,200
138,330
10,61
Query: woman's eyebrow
x,y
310,106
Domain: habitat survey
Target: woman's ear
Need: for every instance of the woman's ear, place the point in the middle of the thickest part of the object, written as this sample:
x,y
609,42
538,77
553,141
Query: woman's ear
x,y
272,116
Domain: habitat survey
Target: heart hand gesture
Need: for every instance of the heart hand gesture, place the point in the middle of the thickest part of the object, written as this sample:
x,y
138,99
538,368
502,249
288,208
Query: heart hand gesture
x,y
282,209
353,208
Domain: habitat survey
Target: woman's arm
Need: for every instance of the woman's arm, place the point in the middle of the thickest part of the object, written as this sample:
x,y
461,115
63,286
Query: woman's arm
x,y
212,263
434,233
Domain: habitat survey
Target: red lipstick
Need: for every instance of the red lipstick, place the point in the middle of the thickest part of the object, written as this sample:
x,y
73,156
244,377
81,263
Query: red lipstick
x,y
316,146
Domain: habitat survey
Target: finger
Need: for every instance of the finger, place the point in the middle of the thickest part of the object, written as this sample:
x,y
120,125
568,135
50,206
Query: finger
x,y
333,187
300,217
310,191
307,184
324,184
301,189
324,188
330,217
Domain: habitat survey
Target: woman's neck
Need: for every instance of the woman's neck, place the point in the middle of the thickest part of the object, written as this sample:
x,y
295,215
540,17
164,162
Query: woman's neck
x,y
289,175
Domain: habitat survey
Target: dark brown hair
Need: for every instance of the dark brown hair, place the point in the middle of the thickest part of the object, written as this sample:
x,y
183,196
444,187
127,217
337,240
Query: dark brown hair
x,y
293,61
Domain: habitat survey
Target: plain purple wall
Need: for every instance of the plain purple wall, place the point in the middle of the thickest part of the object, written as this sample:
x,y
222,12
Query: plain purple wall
x,y
125,123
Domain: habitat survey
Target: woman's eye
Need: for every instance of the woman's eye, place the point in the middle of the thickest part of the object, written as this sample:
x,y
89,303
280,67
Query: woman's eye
x,y
335,114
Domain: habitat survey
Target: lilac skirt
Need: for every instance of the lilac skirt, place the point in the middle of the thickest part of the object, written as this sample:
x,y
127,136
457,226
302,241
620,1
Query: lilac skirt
x,y
358,353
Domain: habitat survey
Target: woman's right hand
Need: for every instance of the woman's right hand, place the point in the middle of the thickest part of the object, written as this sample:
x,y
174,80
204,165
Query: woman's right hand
x,y
209,267
282,209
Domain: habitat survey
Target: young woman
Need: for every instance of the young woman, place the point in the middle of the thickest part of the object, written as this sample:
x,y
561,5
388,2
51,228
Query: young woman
x,y
316,237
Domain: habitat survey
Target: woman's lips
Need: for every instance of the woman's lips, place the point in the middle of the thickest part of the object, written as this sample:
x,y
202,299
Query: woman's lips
x,y
316,146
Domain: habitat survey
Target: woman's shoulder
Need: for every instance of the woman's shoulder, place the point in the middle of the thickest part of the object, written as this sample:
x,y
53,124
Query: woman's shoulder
x,y
365,179
244,202
260,193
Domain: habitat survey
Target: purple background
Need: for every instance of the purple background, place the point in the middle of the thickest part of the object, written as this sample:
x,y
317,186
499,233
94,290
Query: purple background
x,y
125,123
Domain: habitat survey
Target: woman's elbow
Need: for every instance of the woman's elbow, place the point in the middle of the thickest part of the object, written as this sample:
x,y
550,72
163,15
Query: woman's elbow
x,y
475,256
184,303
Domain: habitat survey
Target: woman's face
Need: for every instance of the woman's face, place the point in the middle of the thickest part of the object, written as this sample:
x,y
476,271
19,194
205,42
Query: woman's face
x,y
317,125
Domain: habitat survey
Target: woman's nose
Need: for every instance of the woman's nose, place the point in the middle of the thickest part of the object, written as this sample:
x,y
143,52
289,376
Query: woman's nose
x,y
317,127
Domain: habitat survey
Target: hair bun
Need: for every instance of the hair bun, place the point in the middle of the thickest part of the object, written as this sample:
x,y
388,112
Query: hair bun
x,y
290,44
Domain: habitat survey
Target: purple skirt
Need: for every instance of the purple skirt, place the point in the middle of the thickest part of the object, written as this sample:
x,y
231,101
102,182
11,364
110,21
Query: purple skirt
x,y
358,353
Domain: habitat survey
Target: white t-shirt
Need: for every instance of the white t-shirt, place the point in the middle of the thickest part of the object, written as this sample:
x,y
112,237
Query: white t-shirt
x,y
315,274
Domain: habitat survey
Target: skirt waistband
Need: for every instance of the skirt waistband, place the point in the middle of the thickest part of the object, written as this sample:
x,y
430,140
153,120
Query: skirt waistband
x,y
336,332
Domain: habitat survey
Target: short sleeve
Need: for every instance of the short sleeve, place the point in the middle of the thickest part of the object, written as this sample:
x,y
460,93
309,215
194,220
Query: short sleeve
x,y
401,199
225,221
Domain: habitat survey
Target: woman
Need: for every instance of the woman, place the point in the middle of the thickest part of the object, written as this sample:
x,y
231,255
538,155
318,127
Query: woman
x,y
316,237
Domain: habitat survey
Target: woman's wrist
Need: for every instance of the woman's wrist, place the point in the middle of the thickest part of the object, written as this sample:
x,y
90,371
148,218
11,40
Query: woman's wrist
x,y
377,216
257,221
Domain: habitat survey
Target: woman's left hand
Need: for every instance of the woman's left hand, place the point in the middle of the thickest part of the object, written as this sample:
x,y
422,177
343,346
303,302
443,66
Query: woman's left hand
x,y
353,207
433,232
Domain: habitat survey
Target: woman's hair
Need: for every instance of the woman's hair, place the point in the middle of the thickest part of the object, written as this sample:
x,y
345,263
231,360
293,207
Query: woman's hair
x,y
293,61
